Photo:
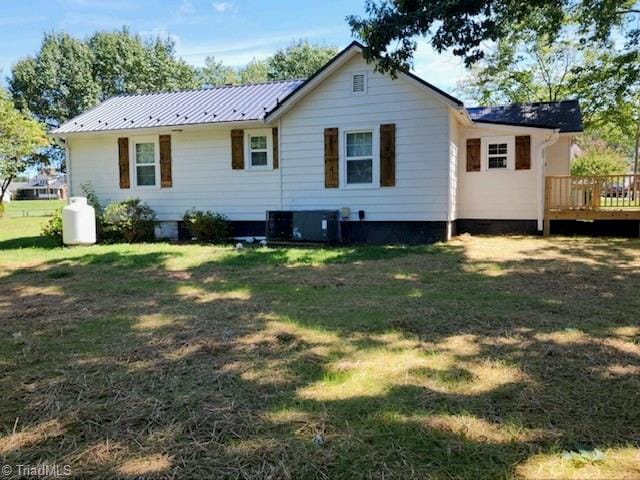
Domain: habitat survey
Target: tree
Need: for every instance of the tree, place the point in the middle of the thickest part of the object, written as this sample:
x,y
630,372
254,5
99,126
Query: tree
x,y
524,72
256,71
216,74
529,70
67,75
58,83
468,28
20,137
300,59
599,159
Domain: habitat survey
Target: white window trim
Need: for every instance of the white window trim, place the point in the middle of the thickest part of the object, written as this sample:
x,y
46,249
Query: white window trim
x,y
132,155
375,154
366,83
511,157
262,132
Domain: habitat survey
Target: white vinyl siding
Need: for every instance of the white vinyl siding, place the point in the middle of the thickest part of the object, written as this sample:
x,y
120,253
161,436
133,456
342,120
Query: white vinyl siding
x,y
422,147
201,171
497,194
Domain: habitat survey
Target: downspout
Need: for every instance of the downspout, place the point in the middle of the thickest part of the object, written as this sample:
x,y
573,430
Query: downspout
x,y
540,153
61,142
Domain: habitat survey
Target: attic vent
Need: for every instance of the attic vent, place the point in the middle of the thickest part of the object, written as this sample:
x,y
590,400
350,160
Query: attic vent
x,y
358,83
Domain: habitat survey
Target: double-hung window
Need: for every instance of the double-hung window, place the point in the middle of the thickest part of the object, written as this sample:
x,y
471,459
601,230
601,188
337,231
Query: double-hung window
x,y
145,158
359,157
258,148
498,153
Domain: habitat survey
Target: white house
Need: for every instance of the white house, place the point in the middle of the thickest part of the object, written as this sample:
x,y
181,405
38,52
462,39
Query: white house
x,y
400,159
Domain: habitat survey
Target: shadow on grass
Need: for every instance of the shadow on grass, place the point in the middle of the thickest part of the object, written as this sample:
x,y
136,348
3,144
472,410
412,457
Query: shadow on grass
x,y
358,363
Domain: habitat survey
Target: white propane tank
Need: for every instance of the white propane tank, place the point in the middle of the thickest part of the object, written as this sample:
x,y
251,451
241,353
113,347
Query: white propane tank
x,y
78,222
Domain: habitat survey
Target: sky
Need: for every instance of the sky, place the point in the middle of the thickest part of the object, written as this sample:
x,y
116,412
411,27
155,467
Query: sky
x,y
234,31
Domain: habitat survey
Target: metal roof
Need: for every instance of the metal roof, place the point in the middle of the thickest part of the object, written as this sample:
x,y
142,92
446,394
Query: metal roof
x,y
564,115
190,107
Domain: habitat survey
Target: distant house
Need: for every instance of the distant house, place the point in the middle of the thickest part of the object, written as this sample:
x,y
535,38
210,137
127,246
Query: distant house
x,y
398,158
47,184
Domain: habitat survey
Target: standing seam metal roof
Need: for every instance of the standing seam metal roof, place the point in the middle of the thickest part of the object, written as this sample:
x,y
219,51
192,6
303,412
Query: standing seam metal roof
x,y
188,107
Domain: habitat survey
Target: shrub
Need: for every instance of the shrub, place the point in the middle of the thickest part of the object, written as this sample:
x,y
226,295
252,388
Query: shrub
x,y
53,228
599,160
131,221
207,226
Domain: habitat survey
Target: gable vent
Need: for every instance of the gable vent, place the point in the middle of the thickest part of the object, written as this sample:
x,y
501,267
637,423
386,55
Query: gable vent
x,y
358,83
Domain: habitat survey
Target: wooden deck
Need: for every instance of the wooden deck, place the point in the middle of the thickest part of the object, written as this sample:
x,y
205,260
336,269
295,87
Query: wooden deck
x,y
597,197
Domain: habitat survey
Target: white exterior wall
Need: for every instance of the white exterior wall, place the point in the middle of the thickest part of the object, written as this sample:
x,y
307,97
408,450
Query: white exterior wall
x,y
201,171
558,157
422,147
498,194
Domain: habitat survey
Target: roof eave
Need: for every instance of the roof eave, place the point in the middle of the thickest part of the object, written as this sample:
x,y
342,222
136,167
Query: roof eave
x,y
159,128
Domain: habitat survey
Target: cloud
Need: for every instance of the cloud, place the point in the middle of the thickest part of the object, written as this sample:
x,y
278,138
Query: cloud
x,y
186,8
238,53
224,7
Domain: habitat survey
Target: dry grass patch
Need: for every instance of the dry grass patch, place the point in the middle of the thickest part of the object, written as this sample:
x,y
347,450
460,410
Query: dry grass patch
x,y
480,359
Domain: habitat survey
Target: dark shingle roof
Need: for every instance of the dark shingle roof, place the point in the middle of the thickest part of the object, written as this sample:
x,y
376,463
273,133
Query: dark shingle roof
x,y
189,107
564,115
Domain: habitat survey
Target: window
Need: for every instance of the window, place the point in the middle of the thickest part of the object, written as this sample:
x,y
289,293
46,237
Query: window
x,y
359,83
359,158
145,154
259,145
497,155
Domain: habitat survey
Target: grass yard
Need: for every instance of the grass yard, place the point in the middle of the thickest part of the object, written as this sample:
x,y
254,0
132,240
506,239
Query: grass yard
x,y
485,358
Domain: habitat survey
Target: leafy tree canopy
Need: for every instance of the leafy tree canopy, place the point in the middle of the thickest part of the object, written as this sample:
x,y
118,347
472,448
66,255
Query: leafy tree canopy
x,y
468,28
301,59
20,138
68,75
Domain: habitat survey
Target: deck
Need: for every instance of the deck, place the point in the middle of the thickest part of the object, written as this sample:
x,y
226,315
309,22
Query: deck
x,y
593,197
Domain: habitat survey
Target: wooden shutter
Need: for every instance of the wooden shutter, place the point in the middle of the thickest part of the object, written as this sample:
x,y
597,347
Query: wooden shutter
x,y
275,146
123,162
388,155
165,161
237,149
473,155
523,152
331,178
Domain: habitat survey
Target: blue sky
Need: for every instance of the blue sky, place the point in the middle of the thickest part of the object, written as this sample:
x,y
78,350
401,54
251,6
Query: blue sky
x,y
234,31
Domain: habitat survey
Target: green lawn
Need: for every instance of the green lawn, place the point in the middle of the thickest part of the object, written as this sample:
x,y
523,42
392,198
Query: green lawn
x,y
480,358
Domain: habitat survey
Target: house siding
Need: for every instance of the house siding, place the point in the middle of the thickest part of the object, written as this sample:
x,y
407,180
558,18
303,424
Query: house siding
x,y
422,147
201,170
497,195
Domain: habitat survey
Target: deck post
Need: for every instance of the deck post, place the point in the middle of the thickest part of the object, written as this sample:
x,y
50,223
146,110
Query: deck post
x,y
546,231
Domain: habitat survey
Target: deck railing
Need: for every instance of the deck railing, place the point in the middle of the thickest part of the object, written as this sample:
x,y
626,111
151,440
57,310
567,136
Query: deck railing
x,y
592,192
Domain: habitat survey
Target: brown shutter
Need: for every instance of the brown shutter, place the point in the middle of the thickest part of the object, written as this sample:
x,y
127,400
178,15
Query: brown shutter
x,y
123,162
165,161
237,149
473,155
523,152
388,155
331,178
275,146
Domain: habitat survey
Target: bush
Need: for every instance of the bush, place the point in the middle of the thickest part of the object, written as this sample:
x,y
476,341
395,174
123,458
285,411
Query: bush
x,y
131,221
207,226
599,160
92,199
53,228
